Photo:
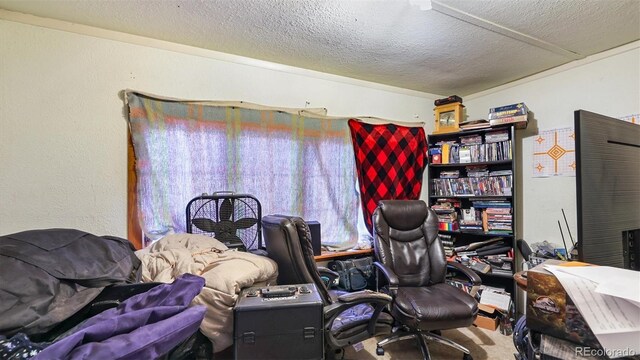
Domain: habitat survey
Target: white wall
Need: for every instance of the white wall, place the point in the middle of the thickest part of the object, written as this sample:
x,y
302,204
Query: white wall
x,y
607,83
63,131
63,134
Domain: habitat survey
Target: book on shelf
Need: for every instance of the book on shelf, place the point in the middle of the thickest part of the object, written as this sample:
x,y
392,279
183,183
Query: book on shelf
x,y
435,155
453,202
446,148
498,210
490,202
450,174
448,226
469,214
471,220
496,136
474,124
500,172
445,209
475,139
448,243
465,155
477,171
480,266
507,111
520,121
454,154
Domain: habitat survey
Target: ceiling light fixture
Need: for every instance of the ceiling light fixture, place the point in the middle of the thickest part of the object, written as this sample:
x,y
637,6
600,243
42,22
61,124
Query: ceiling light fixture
x,y
421,4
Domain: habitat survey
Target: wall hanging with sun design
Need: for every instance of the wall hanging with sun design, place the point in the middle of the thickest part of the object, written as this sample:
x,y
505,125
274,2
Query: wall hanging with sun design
x,y
554,153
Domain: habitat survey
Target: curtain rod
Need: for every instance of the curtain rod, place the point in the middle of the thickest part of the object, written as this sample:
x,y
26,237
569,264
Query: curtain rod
x,y
316,112
240,104
381,121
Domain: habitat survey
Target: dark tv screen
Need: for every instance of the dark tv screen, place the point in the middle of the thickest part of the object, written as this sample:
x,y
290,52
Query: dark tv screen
x,y
608,190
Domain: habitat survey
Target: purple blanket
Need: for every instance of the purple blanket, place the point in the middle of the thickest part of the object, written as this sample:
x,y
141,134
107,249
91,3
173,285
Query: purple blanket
x,y
144,326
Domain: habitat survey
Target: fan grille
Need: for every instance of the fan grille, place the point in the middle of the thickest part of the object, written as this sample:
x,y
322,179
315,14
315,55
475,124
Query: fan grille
x,y
226,218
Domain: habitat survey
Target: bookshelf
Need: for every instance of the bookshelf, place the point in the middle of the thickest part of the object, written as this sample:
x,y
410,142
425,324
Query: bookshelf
x,y
471,183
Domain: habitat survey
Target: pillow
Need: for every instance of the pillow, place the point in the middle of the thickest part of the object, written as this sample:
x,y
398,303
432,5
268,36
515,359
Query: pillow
x,y
192,242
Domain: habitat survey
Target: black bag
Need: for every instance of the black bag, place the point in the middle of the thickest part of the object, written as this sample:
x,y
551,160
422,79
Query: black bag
x,y
355,274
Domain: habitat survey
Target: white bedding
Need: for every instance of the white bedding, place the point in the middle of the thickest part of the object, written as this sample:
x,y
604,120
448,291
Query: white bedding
x,y
225,272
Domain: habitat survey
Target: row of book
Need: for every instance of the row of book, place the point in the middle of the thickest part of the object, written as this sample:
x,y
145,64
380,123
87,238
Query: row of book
x,y
473,186
491,202
485,215
497,215
445,209
474,171
448,243
496,136
462,154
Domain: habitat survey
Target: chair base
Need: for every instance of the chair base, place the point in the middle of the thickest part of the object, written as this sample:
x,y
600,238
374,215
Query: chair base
x,y
421,337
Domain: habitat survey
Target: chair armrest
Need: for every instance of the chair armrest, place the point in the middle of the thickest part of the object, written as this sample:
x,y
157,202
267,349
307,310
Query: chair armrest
x,y
470,274
355,297
347,301
390,275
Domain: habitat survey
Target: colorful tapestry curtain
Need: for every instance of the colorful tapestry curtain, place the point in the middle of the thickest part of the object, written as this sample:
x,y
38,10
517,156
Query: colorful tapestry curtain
x,y
293,164
390,160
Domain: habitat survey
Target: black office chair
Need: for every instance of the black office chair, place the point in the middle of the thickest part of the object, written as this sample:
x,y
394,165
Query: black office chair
x,y
348,317
412,259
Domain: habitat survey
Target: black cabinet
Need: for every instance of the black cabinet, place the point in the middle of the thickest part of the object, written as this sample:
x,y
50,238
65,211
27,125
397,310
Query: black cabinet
x,y
471,183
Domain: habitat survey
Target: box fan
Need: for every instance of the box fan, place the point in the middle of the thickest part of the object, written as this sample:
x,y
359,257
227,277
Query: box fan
x,y
233,219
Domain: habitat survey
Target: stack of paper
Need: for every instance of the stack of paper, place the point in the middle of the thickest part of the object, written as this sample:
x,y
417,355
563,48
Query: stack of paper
x,y
496,298
609,300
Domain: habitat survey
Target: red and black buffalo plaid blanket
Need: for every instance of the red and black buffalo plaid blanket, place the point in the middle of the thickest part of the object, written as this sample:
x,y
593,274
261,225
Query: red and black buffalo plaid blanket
x,y
390,160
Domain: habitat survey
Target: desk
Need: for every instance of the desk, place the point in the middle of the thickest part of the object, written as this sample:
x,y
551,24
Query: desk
x,y
329,255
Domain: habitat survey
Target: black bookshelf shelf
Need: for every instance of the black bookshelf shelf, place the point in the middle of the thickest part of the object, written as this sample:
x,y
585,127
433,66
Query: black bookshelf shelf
x,y
455,165
442,179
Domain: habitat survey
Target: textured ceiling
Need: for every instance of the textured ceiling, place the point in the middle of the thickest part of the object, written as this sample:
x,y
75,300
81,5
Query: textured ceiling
x,y
455,47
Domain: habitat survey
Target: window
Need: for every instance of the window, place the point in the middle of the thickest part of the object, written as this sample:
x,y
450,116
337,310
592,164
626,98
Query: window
x,y
293,163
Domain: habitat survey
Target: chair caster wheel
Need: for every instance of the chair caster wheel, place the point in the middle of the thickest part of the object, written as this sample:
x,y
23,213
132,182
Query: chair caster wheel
x,y
379,351
467,357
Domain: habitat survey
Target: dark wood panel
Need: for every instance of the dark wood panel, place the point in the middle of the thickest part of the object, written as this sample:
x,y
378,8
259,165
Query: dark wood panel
x,y
134,232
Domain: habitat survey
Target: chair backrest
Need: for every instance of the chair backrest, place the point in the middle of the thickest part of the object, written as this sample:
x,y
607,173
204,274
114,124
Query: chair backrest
x,y
405,239
288,243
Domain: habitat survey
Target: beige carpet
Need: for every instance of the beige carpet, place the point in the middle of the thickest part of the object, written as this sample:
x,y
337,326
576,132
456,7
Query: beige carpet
x,y
483,344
